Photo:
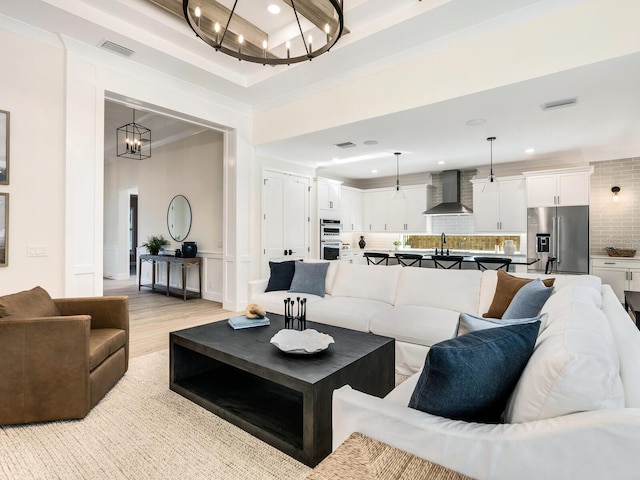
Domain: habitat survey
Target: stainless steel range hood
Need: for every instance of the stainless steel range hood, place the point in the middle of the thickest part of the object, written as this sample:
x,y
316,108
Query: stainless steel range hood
x,y
450,196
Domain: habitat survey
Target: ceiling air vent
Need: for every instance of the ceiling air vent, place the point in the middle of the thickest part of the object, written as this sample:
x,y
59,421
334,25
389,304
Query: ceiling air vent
x,y
567,102
114,47
345,145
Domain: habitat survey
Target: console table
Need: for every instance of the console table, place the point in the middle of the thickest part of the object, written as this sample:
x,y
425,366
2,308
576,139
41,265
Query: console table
x,y
184,264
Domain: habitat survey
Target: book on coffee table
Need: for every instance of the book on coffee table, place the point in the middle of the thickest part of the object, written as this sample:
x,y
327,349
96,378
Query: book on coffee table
x,y
242,321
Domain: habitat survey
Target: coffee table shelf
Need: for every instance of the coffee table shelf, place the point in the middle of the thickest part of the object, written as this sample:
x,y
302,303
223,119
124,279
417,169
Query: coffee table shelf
x,y
232,392
282,399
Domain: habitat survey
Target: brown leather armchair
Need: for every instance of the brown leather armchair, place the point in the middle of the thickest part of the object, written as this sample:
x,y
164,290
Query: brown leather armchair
x,y
55,367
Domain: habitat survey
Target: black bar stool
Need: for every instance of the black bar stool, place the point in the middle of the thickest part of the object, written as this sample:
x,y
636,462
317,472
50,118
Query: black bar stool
x,y
447,261
374,258
492,263
409,259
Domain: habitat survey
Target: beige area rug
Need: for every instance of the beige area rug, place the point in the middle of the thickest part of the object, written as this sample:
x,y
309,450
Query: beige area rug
x,y
142,430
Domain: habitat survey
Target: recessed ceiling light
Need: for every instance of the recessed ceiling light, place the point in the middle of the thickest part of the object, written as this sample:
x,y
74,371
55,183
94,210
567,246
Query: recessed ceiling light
x,y
440,162
370,142
374,171
475,122
275,9
530,150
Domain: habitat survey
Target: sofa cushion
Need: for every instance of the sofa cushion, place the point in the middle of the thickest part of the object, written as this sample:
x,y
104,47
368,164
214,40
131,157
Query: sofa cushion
x,y
274,301
506,288
347,312
468,323
28,304
457,290
373,282
281,275
575,365
309,278
471,377
528,301
415,324
103,342
402,393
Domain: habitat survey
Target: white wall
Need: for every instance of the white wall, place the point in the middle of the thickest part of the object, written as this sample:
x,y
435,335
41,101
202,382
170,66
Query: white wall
x,y
32,90
191,167
56,96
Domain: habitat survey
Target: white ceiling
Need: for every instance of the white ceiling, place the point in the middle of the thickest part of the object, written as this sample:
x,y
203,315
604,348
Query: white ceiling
x,y
604,124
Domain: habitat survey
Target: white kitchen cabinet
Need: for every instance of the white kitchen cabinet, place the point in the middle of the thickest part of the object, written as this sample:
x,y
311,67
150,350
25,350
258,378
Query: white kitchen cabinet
x,y
619,272
558,189
351,209
406,215
285,216
375,210
502,208
353,257
329,198
381,213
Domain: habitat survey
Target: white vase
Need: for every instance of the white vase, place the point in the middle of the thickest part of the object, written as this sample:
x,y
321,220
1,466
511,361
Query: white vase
x,y
509,247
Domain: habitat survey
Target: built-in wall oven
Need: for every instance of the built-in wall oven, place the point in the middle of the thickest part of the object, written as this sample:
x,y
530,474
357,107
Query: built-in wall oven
x,y
330,243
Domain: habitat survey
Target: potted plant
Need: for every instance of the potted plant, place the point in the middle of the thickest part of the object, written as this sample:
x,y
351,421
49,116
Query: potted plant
x,y
155,243
397,244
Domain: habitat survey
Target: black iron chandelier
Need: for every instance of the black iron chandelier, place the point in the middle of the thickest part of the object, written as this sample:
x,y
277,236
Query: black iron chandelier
x,y
133,140
229,32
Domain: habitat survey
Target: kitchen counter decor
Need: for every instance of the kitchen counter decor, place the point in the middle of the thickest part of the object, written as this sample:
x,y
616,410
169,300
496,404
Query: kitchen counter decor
x,y
620,252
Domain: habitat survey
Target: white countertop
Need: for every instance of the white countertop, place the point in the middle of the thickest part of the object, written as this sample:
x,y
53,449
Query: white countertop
x,y
431,251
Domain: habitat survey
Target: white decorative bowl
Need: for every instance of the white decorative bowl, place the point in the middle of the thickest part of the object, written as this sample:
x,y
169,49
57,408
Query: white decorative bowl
x,y
304,342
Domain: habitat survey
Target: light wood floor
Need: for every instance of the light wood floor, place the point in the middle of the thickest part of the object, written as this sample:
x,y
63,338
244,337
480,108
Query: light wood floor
x,y
152,315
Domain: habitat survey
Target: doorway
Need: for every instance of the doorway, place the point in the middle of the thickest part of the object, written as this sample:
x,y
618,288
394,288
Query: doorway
x,y
133,233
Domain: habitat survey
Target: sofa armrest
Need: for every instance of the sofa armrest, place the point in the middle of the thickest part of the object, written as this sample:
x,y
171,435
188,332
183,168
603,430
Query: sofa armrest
x,y
596,444
256,287
44,368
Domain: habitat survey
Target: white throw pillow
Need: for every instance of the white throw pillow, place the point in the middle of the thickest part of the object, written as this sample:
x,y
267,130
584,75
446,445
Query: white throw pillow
x,y
574,366
375,282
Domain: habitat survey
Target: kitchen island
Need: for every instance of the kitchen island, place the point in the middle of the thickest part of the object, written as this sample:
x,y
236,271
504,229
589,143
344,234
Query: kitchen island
x,y
519,262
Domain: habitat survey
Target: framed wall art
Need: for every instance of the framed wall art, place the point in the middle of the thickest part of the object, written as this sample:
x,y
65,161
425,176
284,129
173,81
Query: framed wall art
x,y
4,147
4,229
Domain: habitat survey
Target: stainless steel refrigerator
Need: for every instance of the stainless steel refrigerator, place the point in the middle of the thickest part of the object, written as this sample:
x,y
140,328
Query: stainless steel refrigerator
x,y
559,238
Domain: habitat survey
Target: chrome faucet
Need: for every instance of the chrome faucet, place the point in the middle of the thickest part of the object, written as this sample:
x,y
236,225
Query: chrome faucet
x,y
443,240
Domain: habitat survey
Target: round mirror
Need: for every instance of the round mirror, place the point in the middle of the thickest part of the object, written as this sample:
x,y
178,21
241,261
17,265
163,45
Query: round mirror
x,y
179,218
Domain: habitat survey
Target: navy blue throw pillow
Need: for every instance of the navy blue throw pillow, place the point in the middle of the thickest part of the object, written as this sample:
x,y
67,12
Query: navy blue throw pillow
x,y
471,377
281,275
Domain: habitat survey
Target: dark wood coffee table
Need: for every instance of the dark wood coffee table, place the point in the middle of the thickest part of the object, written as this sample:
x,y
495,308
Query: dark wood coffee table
x,y
282,399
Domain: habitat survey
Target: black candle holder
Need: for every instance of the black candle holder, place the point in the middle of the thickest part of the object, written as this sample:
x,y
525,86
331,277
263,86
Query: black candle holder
x,y
295,312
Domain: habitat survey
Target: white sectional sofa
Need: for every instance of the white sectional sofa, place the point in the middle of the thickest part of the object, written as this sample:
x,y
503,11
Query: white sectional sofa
x,y
416,306
575,412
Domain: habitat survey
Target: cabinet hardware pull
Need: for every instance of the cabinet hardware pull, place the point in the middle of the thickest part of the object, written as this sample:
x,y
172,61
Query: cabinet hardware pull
x,y
609,263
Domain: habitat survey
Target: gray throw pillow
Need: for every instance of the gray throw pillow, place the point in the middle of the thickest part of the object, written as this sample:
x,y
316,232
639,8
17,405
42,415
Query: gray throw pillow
x,y
468,323
309,278
528,301
471,377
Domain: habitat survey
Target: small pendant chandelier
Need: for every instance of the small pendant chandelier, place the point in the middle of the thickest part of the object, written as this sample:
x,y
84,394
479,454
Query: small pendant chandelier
x,y
492,180
133,140
398,193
